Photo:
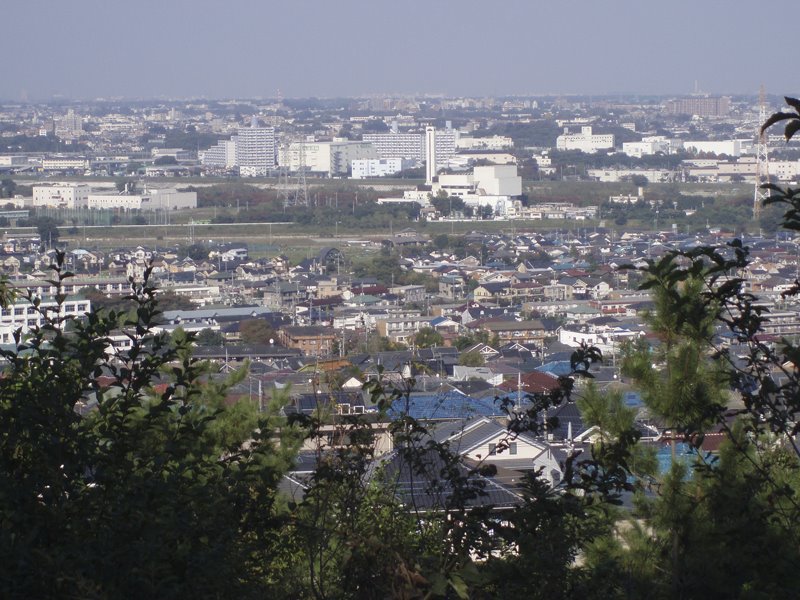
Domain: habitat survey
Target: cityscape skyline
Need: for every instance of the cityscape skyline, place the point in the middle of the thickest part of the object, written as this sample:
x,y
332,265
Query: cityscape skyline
x,y
182,49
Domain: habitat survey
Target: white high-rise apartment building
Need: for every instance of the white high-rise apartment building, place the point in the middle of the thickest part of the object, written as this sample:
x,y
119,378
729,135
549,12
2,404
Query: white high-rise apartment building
x,y
70,126
411,146
252,149
397,145
223,155
331,158
446,140
255,151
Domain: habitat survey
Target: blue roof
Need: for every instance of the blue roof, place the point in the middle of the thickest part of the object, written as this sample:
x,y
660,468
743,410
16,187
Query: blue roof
x,y
449,405
633,399
558,368
684,454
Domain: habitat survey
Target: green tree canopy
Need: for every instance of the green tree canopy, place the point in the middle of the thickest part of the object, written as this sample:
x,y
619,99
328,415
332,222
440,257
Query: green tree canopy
x,y
256,331
471,359
427,337
446,205
196,251
47,228
209,337
7,188
165,160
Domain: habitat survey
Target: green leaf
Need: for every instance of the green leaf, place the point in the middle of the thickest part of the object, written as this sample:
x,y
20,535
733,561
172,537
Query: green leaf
x,y
459,586
438,584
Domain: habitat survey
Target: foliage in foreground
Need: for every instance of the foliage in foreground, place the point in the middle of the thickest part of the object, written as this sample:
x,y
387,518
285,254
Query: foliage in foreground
x,y
113,484
722,525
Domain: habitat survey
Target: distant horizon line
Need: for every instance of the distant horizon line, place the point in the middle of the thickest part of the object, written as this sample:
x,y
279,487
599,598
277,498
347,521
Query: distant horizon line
x,y
378,95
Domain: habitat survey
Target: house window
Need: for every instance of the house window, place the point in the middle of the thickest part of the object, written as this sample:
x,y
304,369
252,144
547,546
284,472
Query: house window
x,y
512,448
492,449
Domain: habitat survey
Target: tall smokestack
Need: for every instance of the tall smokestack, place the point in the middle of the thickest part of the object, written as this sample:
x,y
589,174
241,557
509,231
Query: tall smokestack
x,y
430,154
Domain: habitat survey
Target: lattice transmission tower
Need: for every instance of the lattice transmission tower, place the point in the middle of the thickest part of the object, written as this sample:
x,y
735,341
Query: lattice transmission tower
x,y
285,182
294,190
301,188
762,158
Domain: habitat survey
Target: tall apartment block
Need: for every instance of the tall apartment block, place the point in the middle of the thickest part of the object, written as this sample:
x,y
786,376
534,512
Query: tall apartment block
x,y
411,146
702,106
255,150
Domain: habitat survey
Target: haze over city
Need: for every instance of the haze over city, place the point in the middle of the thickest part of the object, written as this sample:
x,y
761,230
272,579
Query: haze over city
x,y
89,49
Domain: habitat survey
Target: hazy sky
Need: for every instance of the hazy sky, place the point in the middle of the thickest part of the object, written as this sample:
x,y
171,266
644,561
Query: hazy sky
x,y
250,48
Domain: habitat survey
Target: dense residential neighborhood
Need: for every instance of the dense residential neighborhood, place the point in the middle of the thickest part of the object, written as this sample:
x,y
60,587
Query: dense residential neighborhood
x,y
475,333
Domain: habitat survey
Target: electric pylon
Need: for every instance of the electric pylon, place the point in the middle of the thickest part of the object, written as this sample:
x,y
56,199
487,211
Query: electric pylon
x,y
293,190
762,157
284,180
301,191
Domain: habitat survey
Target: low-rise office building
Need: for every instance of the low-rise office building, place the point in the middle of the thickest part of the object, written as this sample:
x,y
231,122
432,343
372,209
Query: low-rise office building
x,y
585,141
166,199
378,167
24,316
61,195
